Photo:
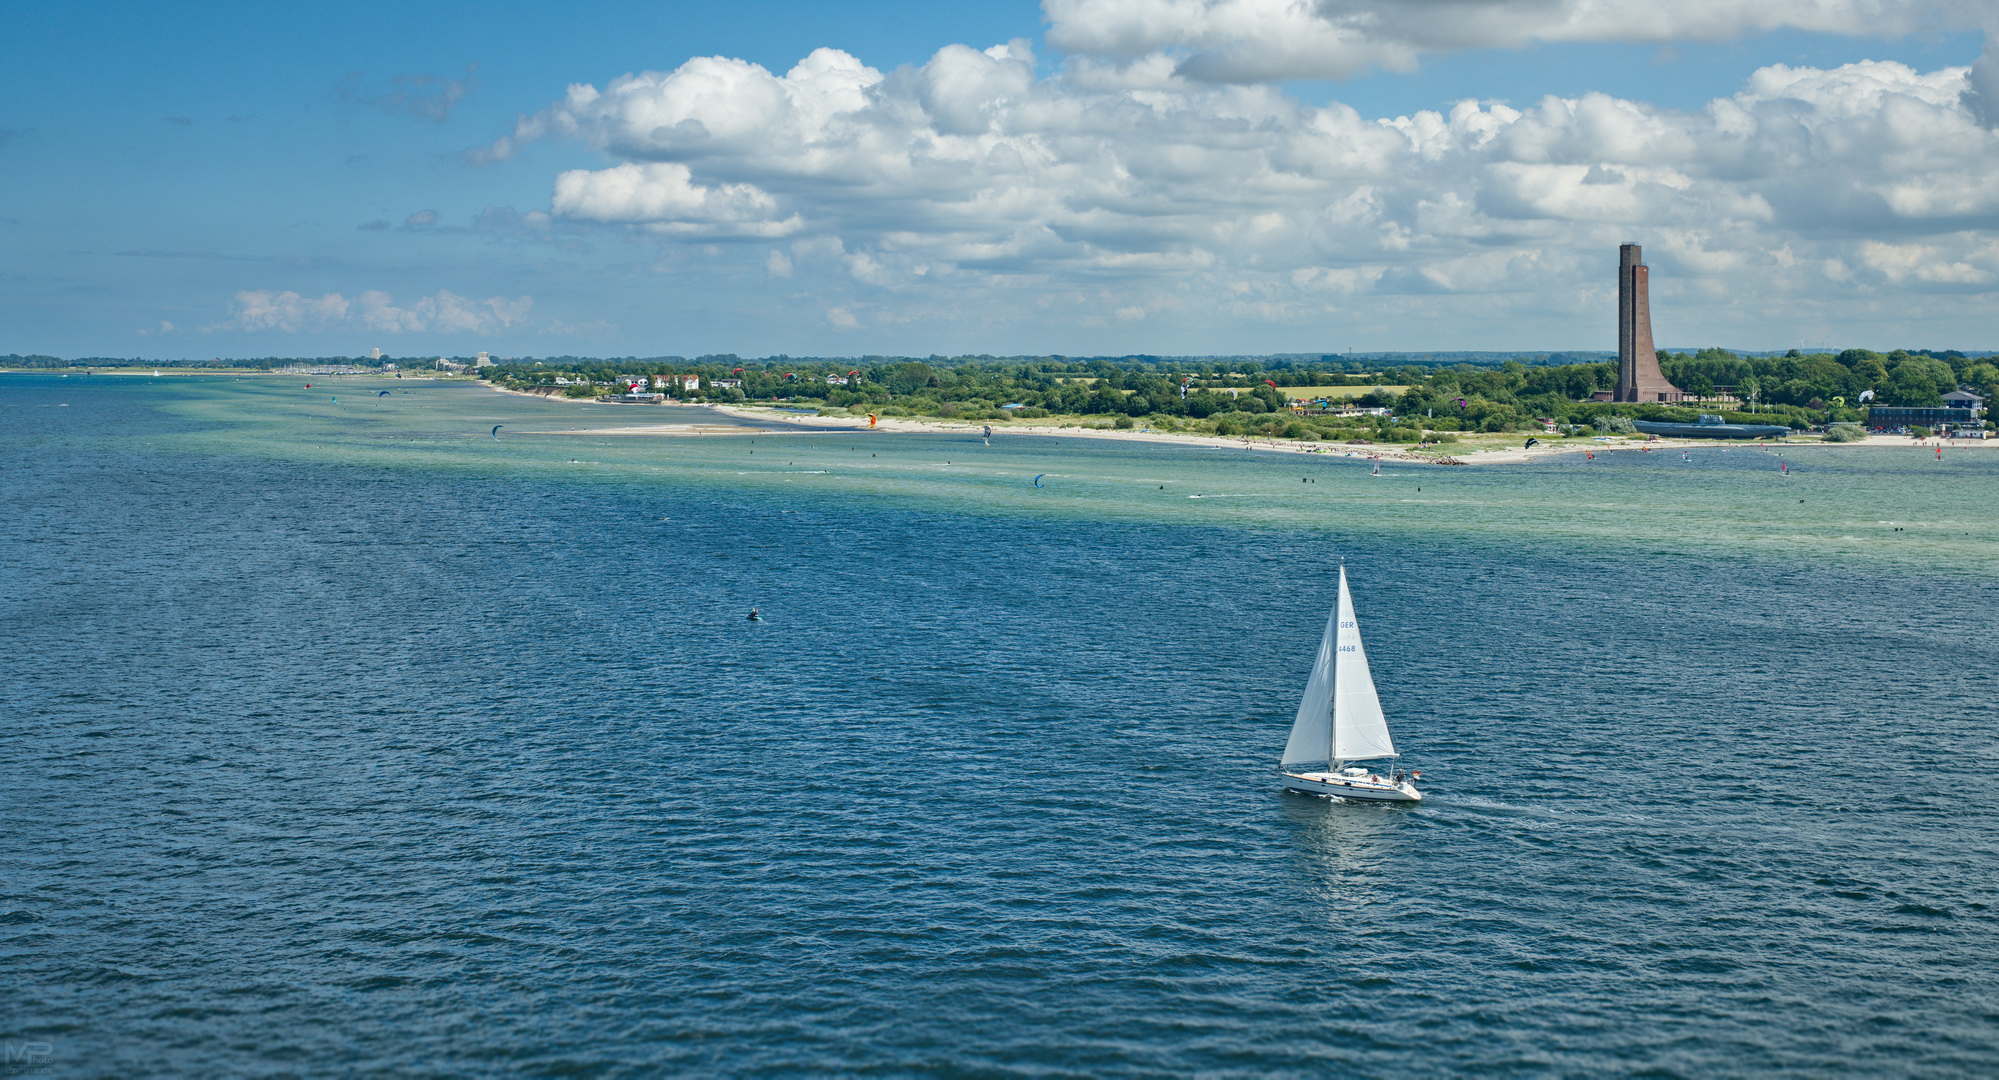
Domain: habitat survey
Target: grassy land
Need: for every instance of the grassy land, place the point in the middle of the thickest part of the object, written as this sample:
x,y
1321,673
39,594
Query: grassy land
x,y
1307,393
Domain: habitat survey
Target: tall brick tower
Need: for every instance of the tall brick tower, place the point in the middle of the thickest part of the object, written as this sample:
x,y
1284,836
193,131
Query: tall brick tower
x,y
1638,375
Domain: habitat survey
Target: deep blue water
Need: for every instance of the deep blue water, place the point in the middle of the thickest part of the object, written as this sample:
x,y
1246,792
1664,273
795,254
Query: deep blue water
x,y
327,768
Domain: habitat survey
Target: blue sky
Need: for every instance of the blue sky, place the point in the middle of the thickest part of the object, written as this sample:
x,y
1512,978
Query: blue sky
x,y
1088,176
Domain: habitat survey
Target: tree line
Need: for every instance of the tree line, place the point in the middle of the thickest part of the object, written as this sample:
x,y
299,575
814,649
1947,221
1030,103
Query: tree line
x,y
1248,397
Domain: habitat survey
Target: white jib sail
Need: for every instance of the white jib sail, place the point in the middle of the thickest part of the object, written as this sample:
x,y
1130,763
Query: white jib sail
x,y
1311,739
1360,732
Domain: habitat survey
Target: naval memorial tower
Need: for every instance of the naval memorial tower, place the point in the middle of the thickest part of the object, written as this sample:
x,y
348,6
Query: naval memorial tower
x,y
1638,375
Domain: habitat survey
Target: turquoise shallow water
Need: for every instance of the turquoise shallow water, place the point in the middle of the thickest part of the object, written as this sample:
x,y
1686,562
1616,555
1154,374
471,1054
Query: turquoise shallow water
x,y
346,742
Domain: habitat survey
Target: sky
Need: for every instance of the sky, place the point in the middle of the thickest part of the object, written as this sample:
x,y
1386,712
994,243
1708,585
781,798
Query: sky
x,y
1083,177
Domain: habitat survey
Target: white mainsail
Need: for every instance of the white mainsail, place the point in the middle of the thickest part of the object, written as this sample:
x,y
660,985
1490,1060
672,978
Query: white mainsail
x,y
1312,733
1340,718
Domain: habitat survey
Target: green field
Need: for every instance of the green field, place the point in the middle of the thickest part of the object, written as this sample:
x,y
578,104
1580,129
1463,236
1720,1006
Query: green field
x,y
1308,393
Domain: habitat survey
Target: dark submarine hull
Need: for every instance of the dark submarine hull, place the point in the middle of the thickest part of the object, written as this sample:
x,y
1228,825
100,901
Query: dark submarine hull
x,y
1711,431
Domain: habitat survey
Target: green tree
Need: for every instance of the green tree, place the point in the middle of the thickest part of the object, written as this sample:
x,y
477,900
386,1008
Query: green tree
x,y
1984,379
1919,381
911,376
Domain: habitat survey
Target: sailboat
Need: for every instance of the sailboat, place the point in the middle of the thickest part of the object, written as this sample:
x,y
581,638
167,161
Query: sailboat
x,y
1340,723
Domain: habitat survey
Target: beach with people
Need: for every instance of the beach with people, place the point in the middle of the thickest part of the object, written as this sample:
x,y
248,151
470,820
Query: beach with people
x,y
1507,448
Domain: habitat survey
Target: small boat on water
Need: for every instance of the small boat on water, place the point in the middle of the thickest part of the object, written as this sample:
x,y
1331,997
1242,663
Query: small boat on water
x,y
1340,723
1710,426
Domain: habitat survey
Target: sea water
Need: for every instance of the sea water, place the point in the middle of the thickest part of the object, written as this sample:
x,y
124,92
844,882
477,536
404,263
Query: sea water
x,y
343,737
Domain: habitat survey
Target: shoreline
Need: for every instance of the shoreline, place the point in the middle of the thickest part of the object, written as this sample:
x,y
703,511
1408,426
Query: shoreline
x,y
1457,454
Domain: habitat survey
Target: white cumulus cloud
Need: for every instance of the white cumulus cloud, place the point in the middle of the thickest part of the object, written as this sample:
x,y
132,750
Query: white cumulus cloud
x,y
906,194
663,196
1263,40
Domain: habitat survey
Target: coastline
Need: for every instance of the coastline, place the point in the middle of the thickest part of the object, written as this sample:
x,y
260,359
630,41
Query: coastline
x,y
1482,452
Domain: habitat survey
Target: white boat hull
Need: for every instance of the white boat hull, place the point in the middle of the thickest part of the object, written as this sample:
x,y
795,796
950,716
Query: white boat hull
x,y
1355,788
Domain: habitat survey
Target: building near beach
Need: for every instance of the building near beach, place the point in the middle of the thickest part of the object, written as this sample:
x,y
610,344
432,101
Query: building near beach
x,y
1964,399
1900,418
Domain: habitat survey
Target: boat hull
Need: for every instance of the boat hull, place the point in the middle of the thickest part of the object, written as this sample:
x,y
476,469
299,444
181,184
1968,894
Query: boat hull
x,y
1355,789
1711,431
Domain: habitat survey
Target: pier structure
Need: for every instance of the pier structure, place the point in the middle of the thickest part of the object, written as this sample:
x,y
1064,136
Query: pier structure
x,y
1638,375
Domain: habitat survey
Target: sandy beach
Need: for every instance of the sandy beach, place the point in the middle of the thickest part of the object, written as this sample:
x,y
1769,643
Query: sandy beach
x,y
1475,450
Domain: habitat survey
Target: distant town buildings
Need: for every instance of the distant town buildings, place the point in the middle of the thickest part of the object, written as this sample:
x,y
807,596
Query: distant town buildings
x,y
325,369
483,361
374,354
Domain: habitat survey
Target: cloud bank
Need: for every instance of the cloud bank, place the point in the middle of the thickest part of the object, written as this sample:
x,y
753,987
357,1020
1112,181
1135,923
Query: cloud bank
x,y
373,310
971,164
1133,181
1265,40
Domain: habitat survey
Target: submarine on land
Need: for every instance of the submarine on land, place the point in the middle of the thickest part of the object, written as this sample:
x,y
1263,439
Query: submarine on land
x,y
1710,426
